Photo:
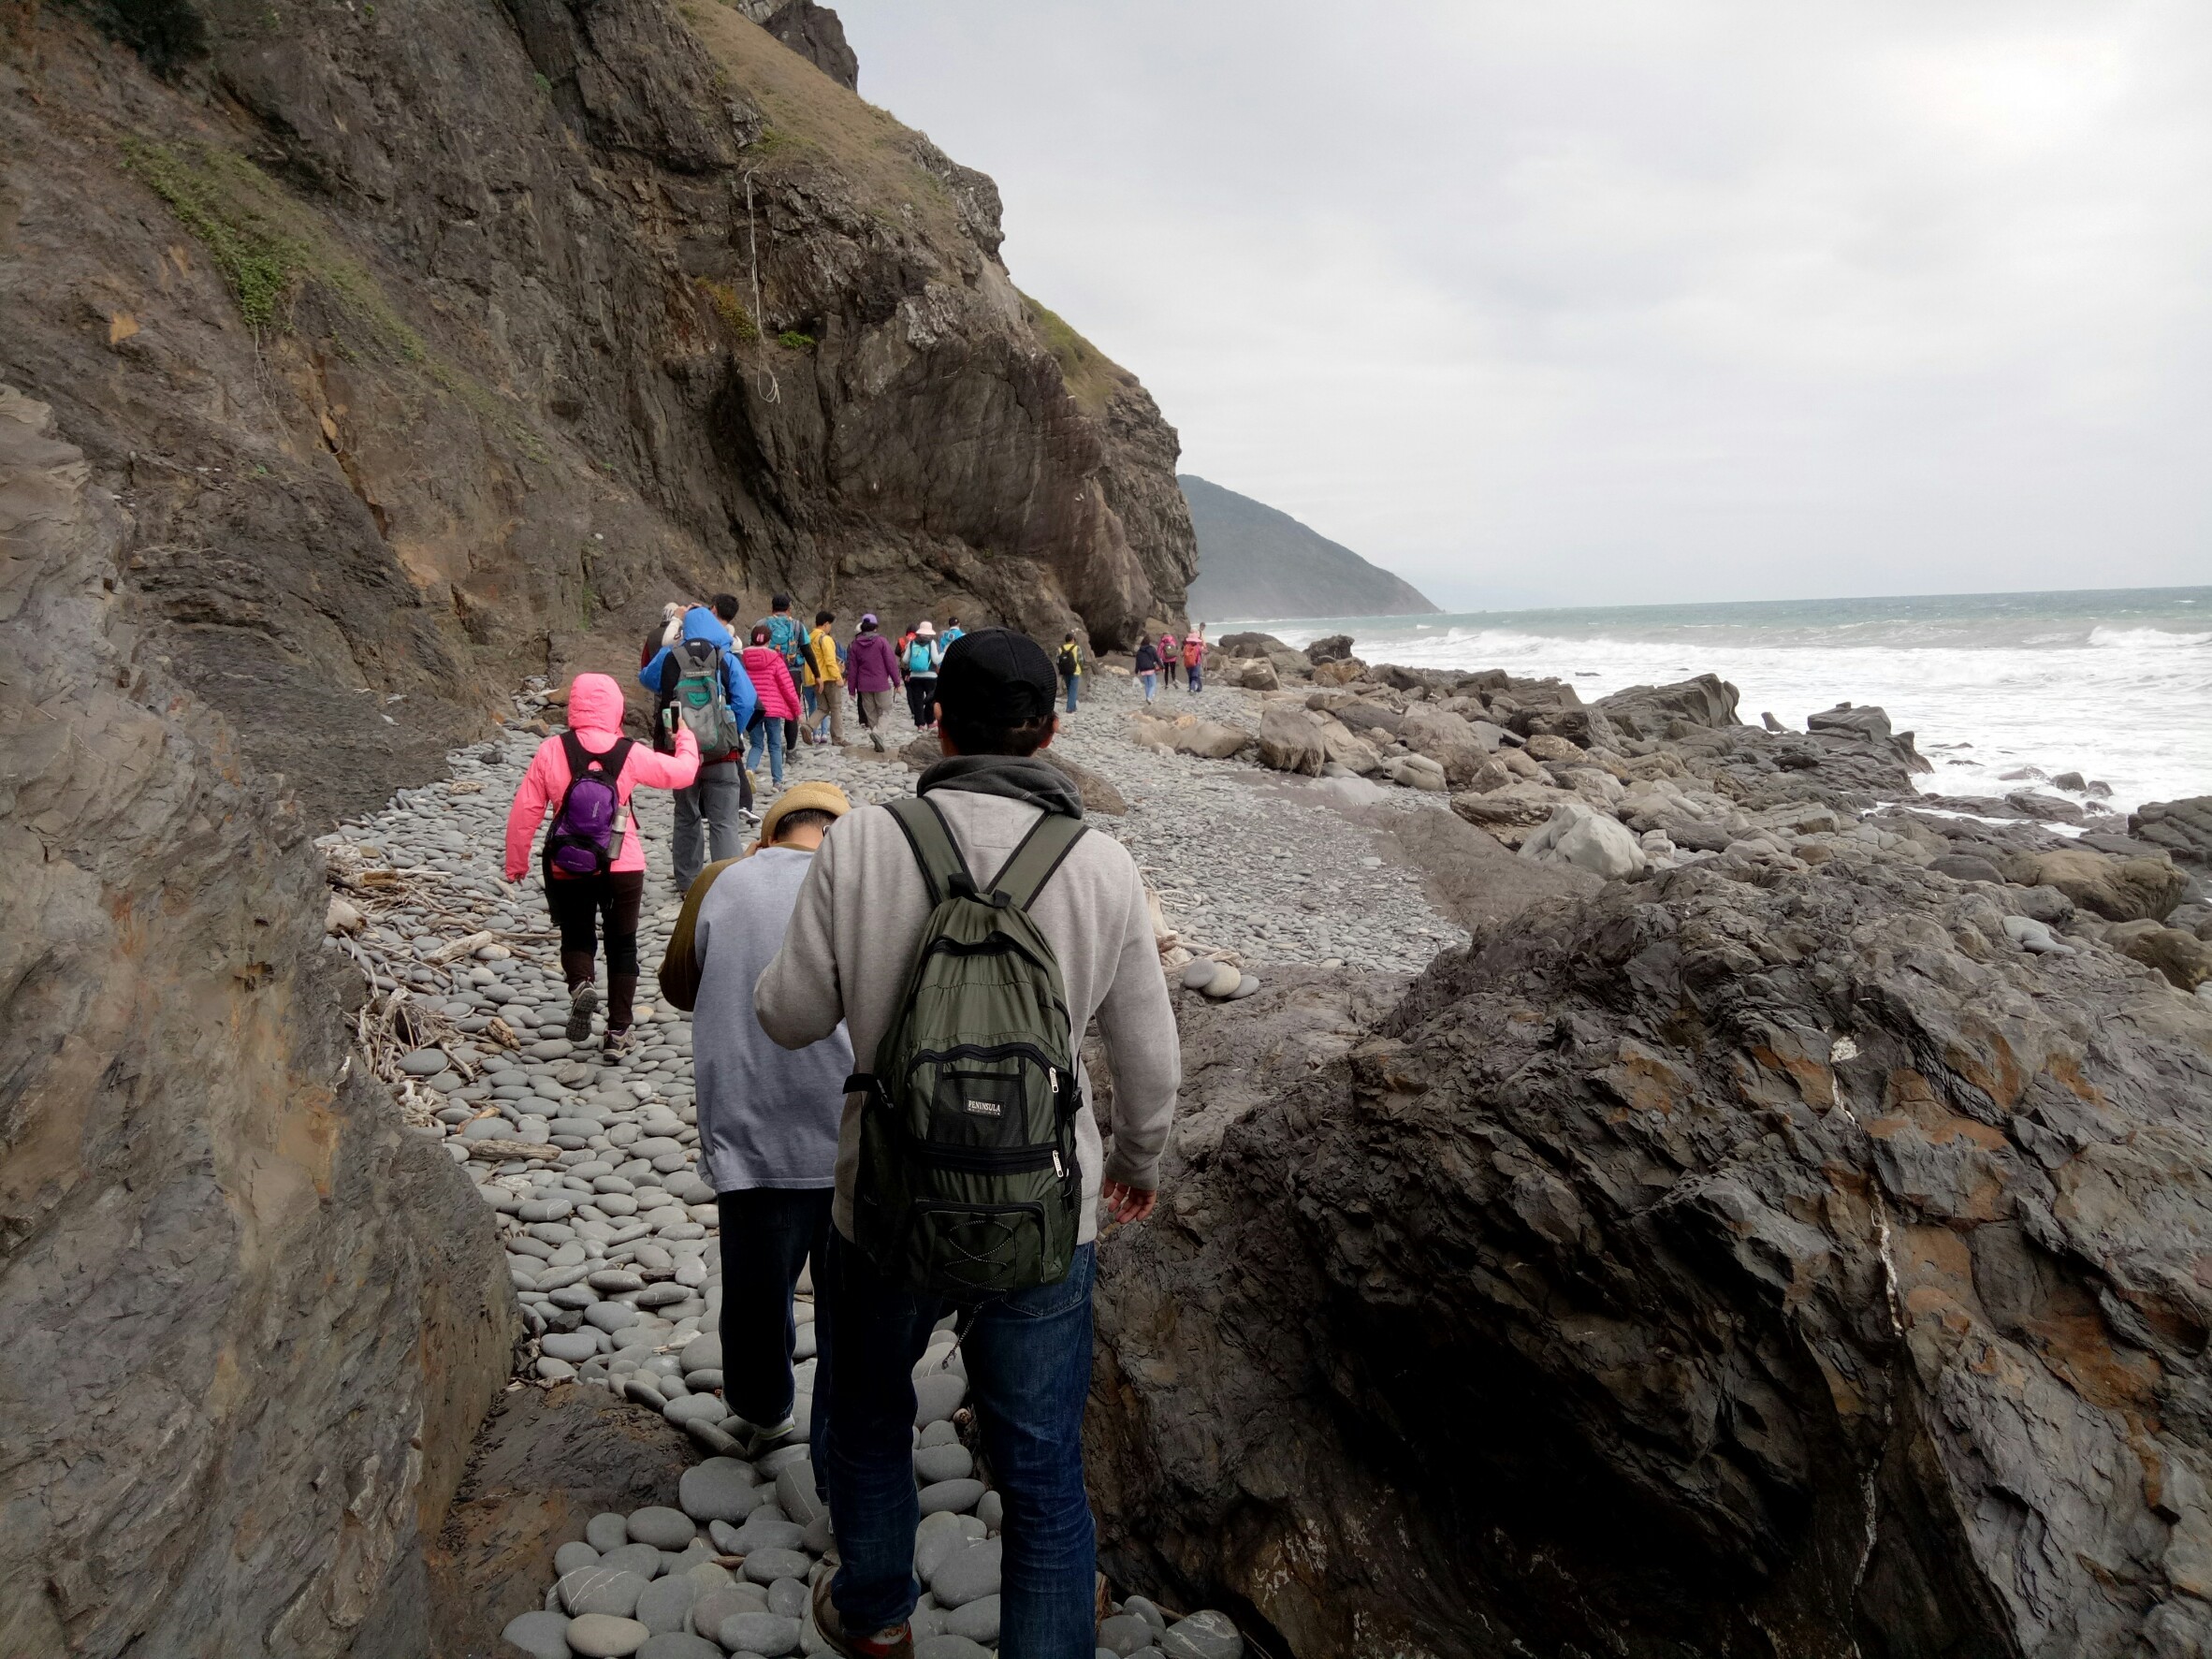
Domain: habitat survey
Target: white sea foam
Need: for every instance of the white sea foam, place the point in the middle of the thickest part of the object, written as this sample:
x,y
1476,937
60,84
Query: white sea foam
x,y
1991,685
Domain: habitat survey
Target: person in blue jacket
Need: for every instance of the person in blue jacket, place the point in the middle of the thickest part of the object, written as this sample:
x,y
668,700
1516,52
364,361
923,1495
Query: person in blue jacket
x,y
720,801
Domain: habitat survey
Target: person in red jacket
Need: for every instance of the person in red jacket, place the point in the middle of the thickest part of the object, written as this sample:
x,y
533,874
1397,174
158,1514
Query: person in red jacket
x,y
582,904
871,669
780,701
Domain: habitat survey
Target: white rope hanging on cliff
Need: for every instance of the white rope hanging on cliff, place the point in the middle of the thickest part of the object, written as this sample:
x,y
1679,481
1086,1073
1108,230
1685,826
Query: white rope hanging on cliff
x,y
752,242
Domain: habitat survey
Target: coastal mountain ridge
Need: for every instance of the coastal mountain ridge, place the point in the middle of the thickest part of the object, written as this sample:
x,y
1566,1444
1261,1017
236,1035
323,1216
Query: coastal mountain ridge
x,y
1259,562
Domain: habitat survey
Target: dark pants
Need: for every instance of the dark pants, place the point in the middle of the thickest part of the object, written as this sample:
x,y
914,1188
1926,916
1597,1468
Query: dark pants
x,y
921,700
1029,1359
768,1233
582,906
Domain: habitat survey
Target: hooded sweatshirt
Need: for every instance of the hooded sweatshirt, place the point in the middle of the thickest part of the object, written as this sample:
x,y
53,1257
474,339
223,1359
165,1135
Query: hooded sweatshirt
x,y
860,913
595,716
872,664
660,675
771,679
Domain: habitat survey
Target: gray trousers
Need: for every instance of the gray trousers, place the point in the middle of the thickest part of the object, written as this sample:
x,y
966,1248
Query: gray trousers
x,y
712,804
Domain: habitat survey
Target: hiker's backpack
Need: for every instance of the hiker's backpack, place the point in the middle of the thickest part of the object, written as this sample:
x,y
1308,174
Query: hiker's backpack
x,y
1071,663
701,698
787,639
921,656
968,1184
585,839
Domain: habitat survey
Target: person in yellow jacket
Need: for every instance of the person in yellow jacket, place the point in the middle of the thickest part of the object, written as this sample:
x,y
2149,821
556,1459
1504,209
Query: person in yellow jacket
x,y
827,676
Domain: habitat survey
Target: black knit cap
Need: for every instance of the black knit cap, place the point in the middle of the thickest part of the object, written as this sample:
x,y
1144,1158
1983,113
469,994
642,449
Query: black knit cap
x,y
995,676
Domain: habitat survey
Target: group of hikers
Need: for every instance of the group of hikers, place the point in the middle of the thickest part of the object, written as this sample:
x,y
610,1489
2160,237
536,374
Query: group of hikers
x,y
888,1004
1152,659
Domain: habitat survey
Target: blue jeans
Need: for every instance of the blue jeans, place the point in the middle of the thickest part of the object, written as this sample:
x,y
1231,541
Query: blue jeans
x,y
770,732
1029,1359
1150,681
1194,677
1074,685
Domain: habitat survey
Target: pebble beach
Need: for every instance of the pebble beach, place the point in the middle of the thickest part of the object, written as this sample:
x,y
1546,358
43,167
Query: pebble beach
x,y
610,1234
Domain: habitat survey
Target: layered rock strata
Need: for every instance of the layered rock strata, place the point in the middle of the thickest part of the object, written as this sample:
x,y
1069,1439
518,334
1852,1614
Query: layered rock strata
x,y
423,346
252,1324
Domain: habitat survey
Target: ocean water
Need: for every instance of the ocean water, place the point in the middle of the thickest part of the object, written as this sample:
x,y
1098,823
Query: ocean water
x,y
2115,685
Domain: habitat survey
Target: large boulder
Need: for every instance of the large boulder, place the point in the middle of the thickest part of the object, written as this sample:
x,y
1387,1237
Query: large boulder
x,y
1212,740
1291,740
1510,813
1343,672
1652,711
1589,839
2183,827
2117,889
1705,1268
1867,726
1352,752
1251,673
1446,738
1333,647
1376,721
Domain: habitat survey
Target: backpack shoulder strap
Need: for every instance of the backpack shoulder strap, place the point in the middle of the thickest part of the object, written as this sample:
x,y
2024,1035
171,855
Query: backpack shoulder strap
x,y
1042,851
935,849
578,757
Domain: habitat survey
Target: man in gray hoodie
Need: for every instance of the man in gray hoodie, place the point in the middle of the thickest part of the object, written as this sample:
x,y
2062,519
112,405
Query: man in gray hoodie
x,y
859,919
767,1116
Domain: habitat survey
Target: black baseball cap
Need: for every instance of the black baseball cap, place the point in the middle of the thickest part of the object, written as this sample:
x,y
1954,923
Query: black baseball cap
x,y
995,676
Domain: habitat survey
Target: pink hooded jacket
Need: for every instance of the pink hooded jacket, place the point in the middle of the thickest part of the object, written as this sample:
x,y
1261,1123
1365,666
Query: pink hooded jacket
x,y
595,715
771,679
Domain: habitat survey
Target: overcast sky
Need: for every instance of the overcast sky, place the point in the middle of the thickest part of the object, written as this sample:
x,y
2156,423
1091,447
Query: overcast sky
x,y
1596,301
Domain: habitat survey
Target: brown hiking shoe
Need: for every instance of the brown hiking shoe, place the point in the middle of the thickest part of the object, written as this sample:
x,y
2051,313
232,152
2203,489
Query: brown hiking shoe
x,y
895,1643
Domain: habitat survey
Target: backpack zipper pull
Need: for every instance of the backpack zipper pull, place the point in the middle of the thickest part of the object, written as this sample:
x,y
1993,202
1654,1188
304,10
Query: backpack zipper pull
x,y
1052,1079
1060,1169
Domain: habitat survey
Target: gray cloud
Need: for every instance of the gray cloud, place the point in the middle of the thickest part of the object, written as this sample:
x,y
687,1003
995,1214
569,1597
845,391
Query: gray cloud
x,y
1628,301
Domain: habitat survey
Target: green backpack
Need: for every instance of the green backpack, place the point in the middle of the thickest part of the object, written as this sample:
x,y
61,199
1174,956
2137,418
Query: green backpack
x,y
700,700
968,1184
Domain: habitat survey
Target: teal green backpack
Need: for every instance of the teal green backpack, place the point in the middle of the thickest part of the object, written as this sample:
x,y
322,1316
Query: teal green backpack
x,y
968,1184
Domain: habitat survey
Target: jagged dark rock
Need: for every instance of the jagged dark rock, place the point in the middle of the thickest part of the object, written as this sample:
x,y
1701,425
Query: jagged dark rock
x,y
817,34
1701,1268
1648,711
2183,828
413,379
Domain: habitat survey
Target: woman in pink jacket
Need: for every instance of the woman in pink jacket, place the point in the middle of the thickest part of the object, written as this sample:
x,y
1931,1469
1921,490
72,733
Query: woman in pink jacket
x,y
780,701
593,857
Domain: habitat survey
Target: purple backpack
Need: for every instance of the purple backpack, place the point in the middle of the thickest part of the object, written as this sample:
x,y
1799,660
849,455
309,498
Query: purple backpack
x,y
584,840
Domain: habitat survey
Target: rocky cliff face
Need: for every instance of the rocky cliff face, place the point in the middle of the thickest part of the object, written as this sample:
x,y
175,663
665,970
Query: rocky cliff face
x,y
425,339
356,361
1768,1265
251,1325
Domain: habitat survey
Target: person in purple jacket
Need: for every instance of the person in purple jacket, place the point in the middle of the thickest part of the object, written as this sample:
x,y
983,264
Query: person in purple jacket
x,y
871,674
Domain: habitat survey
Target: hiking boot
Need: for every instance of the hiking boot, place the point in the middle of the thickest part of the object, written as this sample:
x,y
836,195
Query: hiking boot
x,y
617,1046
582,1004
754,1441
895,1643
